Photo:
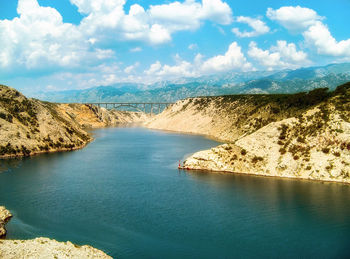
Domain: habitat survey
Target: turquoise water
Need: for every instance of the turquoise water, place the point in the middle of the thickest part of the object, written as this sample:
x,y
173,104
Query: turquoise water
x,y
124,195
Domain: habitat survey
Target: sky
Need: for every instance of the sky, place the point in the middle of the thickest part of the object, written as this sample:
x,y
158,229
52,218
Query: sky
x,y
50,45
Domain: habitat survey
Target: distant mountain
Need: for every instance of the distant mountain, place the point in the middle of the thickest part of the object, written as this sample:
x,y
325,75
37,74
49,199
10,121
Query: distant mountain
x,y
285,81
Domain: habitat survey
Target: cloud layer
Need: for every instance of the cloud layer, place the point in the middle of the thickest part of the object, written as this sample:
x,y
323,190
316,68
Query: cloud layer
x,y
38,43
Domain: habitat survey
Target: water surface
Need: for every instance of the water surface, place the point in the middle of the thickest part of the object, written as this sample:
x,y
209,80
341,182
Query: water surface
x,y
124,195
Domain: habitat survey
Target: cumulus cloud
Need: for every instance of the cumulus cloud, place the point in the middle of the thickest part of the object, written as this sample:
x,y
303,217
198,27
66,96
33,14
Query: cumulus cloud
x,y
282,55
38,39
294,18
155,25
136,49
131,68
232,60
316,34
319,37
258,26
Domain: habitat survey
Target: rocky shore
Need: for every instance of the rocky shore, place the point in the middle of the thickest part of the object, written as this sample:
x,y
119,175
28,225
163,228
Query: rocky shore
x,y
5,216
304,135
41,247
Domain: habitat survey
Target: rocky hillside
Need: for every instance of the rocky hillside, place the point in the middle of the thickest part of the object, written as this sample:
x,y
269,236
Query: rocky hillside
x,y
305,135
29,126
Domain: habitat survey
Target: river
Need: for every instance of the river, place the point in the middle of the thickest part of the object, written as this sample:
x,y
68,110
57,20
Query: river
x,y
123,194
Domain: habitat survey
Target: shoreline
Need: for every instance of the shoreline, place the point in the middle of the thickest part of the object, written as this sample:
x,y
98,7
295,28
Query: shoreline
x,y
41,247
188,169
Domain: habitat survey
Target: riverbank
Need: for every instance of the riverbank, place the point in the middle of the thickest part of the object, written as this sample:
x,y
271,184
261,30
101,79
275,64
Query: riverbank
x,y
30,127
41,247
304,135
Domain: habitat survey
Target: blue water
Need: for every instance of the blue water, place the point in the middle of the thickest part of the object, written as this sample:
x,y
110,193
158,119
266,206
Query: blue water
x,y
124,195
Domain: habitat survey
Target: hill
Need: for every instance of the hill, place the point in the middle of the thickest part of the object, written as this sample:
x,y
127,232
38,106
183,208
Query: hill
x,y
303,135
29,126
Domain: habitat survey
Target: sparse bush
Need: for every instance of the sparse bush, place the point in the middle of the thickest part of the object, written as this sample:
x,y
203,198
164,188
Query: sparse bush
x,y
325,150
243,152
256,159
337,154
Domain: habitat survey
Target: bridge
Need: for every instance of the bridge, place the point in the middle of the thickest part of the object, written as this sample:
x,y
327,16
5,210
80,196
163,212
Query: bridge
x,y
141,107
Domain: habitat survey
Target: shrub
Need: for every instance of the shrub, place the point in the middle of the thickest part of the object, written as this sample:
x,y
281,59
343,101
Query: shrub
x,y
256,159
243,152
337,154
325,150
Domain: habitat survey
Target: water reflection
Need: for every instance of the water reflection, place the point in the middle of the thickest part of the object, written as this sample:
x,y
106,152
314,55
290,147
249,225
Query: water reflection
x,y
325,200
7,165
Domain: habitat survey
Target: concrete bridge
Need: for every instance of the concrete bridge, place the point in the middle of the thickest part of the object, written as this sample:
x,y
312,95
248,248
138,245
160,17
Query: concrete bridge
x,y
151,108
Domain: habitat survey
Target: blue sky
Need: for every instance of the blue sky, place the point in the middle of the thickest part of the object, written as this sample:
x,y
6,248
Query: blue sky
x,y
74,44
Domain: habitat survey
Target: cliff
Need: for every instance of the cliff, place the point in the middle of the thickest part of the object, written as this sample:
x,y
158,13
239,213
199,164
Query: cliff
x,y
305,135
29,126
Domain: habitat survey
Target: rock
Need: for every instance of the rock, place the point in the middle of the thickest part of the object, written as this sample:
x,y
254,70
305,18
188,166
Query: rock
x,y
46,248
41,247
5,216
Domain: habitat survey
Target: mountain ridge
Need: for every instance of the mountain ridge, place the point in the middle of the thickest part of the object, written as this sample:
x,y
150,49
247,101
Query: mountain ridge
x,y
285,81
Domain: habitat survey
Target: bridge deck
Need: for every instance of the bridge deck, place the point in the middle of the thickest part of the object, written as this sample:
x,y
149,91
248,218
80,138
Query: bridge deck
x,y
140,106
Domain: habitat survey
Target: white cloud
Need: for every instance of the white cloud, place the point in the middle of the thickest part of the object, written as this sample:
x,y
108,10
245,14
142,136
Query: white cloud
x,y
192,46
319,37
131,68
38,39
136,49
233,59
154,68
281,56
294,18
258,26
316,34
155,25
189,14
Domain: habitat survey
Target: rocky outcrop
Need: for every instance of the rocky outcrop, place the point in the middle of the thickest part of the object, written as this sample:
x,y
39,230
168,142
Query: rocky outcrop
x,y
41,247
5,216
307,136
47,248
30,126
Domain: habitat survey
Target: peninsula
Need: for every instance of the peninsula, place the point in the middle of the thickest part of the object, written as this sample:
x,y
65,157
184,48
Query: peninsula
x,y
304,135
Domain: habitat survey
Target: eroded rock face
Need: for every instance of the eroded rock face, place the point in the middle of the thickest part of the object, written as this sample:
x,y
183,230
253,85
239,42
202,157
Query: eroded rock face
x,y
5,216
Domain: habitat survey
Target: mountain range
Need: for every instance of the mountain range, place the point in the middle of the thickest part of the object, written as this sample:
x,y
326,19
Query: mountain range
x,y
256,82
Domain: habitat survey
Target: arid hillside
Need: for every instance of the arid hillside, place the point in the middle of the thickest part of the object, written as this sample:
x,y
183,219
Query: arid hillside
x,y
305,135
29,126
